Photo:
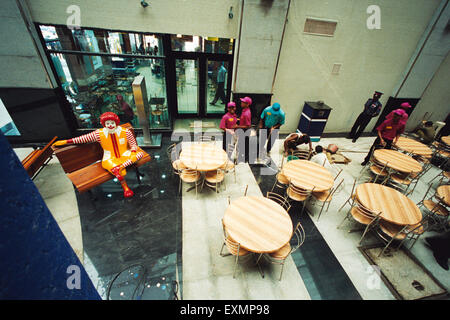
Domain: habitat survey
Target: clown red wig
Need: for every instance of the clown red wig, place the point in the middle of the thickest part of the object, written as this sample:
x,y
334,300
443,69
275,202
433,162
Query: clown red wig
x,y
109,116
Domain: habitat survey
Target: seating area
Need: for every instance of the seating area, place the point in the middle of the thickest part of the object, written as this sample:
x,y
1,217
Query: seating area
x,y
243,234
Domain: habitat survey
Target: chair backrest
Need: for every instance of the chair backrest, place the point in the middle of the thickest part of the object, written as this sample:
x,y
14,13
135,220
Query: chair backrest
x,y
426,193
333,190
300,191
282,201
205,138
300,235
366,211
301,154
230,150
338,174
171,152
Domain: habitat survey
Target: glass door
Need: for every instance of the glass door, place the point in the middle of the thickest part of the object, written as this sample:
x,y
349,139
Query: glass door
x,y
187,78
217,86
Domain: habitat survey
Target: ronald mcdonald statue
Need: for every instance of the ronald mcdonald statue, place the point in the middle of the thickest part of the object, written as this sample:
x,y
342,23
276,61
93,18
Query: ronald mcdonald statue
x,y
120,148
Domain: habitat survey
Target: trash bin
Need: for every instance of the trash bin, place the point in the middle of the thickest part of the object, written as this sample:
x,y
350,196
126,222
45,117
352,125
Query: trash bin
x,y
314,119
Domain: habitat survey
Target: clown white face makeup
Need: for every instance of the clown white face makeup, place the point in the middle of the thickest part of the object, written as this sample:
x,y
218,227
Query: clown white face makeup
x,y
110,125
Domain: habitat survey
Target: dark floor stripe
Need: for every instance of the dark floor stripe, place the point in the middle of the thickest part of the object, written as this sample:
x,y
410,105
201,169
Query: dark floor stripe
x,y
324,277
144,230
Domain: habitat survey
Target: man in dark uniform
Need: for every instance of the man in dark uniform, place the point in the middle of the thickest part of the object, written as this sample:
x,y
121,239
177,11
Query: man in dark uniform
x,y
372,109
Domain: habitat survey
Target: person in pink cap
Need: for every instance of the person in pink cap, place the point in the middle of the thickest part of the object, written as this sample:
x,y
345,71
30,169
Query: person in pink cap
x,y
245,123
245,120
388,133
228,124
405,106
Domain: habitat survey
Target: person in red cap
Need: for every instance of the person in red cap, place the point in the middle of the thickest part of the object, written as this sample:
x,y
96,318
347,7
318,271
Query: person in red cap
x,y
245,123
388,133
405,106
372,109
228,124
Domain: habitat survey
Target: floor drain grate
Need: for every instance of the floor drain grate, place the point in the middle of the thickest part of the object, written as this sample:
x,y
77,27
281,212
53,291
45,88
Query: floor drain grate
x,y
406,278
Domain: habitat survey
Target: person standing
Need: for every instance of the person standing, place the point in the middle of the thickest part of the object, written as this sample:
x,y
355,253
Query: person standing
x,y
388,132
372,108
128,114
220,91
228,124
272,118
245,123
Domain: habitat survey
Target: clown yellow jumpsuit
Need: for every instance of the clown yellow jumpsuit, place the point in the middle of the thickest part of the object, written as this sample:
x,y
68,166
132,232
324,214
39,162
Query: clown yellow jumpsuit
x,y
115,147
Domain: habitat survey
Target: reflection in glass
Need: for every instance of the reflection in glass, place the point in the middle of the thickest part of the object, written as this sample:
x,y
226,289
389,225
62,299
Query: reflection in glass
x,y
7,126
187,85
201,44
97,40
97,84
217,86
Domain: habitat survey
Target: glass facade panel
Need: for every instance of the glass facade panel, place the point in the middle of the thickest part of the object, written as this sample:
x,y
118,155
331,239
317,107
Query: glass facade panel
x,y
201,44
216,87
97,84
7,126
187,85
101,41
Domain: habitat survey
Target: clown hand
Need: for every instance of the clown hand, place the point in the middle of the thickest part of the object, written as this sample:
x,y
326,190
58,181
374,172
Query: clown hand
x,y
60,143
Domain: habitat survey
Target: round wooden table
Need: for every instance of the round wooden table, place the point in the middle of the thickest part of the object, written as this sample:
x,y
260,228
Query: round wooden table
x,y
443,192
395,207
446,140
308,175
397,161
413,146
259,224
203,156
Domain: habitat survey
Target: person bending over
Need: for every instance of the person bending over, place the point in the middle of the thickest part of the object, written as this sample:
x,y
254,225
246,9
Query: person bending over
x,y
294,140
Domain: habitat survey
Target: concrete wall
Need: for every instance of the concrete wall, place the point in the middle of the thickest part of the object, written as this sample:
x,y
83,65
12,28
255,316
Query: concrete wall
x,y
371,59
190,17
20,63
260,40
436,98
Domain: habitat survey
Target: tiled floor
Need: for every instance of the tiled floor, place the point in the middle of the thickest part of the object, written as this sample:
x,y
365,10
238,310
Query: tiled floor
x,y
178,238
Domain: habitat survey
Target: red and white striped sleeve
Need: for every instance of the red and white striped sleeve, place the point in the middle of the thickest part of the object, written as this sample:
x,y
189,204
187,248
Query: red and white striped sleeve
x,y
94,136
131,140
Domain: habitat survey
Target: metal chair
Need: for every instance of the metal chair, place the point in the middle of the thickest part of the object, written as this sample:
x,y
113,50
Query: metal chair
x,y
189,176
234,248
325,197
389,232
280,256
399,181
301,154
379,170
282,201
230,165
435,208
173,154
281,181
214,179
298,194
416,231
443,174
362,215
416,177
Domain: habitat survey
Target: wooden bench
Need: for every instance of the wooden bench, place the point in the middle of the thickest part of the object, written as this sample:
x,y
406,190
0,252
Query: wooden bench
x,y
82,163
38,159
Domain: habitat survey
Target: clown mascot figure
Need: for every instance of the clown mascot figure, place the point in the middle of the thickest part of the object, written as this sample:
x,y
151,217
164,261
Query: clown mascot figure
x,y
114,141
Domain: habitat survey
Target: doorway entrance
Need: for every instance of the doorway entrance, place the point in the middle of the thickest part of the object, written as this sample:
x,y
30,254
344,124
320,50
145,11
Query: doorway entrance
x,y
202,73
